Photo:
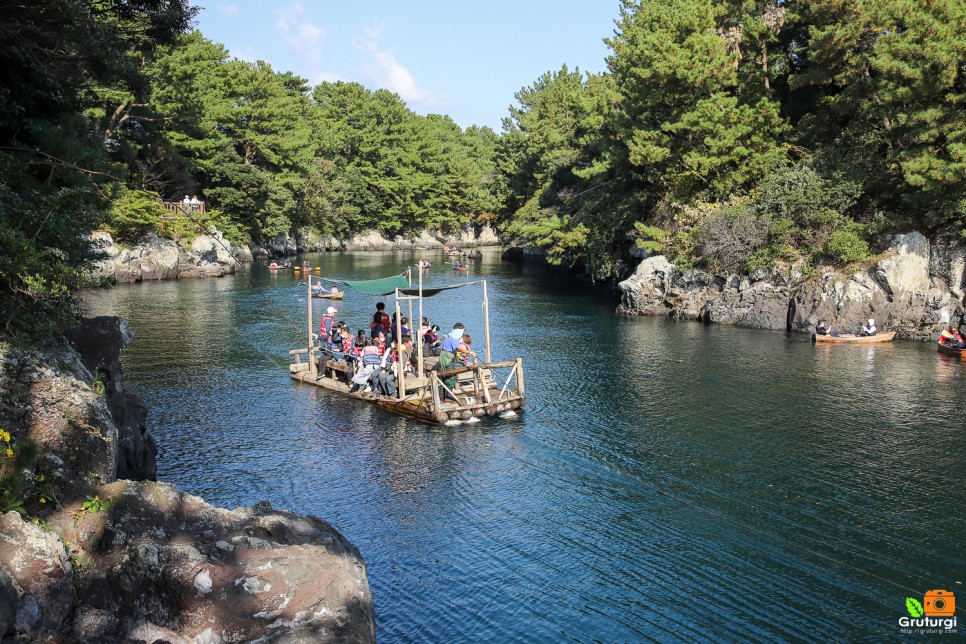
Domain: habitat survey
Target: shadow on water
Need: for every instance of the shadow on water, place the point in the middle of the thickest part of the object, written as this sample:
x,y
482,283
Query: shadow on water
x,y
668,477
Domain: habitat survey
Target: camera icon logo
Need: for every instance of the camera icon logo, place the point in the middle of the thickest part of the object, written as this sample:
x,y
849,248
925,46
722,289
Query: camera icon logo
x,y
939,603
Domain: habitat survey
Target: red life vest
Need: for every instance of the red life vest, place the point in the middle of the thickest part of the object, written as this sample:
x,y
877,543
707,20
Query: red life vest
x,y
325,330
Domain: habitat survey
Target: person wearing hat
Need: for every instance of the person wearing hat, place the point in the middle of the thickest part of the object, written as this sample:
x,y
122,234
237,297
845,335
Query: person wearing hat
x,y
870,329
325,324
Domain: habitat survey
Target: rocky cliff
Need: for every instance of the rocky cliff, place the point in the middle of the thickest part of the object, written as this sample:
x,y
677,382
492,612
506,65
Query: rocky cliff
x,y
915,289
105,554
211,255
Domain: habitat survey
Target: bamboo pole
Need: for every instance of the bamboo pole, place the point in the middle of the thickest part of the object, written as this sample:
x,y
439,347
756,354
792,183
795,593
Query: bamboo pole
x,y
486,322
313,369
409,275
400,377
419,339
519,370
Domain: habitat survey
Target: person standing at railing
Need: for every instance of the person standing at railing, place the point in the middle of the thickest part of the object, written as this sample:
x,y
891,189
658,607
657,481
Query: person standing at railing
x,y
186,204
195,204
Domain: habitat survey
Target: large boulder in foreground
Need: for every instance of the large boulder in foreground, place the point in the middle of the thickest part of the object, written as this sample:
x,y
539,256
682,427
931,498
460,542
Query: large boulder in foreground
x,y
137,561
161,562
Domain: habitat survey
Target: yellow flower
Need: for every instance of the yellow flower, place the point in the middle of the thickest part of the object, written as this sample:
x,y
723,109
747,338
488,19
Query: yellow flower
x,y
43,500
9,453
41,478
5,436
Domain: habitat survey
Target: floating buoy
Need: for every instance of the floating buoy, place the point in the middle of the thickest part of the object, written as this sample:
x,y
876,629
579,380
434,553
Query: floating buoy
x,y
473,419
509,414
452,423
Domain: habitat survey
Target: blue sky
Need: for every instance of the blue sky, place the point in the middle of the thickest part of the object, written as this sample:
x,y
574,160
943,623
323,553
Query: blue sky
x,y
464,59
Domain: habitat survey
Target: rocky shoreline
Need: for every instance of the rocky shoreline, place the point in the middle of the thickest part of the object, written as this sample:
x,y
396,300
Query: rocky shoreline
x,y
916,289
111,555
211,255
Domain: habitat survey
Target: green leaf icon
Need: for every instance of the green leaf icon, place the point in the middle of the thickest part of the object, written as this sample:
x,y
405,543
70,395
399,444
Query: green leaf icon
x,y
914,607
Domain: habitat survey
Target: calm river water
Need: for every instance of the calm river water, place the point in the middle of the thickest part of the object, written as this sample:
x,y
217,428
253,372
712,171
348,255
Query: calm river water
x,y
670,481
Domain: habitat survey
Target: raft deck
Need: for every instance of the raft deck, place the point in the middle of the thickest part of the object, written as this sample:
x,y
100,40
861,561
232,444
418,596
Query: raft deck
x,y
483,389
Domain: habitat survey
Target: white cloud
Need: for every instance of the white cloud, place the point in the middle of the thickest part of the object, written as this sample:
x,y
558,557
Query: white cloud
x,y
305,39
388,73
300,34
228,10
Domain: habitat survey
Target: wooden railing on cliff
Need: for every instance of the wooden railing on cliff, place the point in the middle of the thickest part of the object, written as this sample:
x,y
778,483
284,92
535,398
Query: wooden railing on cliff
x,y
175,210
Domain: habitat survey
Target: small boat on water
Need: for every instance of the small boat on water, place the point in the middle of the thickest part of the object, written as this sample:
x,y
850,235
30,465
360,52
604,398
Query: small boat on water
x,y
461,268
950,351
428,394
329,296
848,338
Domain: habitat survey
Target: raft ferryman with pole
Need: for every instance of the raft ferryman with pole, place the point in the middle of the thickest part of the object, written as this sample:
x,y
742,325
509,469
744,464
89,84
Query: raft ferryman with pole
x,y
481,389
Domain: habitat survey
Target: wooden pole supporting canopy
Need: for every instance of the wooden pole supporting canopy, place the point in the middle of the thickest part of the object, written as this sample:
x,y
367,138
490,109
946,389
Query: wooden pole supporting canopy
x,y
313,369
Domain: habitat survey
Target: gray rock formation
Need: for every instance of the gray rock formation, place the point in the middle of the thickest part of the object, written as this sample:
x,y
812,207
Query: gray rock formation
x,y
154,563
47,397
915,290
210,255
161,259
98,340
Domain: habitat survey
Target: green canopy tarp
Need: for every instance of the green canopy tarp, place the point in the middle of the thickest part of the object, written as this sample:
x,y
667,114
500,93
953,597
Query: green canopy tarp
x,y
388,286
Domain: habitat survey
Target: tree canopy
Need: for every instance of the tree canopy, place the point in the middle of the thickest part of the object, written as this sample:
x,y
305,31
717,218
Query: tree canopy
x,y
724,133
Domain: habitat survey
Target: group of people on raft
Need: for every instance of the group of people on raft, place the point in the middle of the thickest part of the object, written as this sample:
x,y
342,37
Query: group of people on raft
x,y
374,359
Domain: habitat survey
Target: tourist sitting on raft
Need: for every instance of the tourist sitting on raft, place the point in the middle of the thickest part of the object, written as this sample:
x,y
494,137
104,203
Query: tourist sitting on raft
x,y
384,380
464,354
952,338
369,361
431,341
380,319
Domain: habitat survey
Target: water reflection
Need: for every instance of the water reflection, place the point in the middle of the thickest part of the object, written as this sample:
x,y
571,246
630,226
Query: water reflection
x,y
667,471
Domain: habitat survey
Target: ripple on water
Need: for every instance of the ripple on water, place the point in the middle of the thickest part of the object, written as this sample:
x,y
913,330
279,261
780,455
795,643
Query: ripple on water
x,y
671,480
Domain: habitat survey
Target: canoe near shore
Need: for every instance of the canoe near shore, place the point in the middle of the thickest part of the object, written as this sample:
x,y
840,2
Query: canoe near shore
x,y
849,338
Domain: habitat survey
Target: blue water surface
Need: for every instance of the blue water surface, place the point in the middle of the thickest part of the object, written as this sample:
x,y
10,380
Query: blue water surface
x,y
669,481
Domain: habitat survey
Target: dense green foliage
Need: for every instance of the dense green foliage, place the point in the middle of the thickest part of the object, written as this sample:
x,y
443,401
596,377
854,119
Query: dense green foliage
x,y
743,132
725,133
72,69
